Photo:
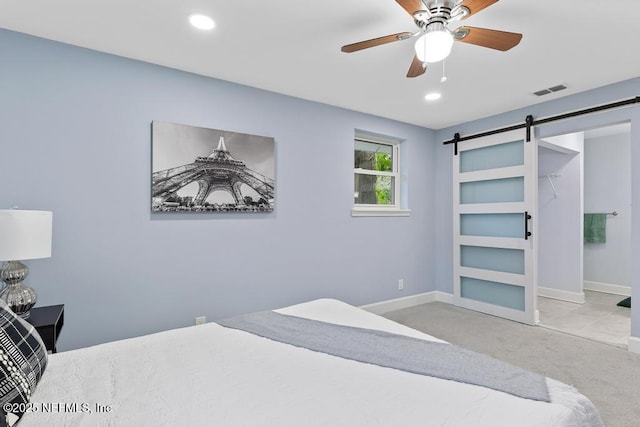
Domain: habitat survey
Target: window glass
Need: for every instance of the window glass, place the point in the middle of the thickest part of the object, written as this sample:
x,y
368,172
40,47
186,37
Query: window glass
x,y
374,190
373,156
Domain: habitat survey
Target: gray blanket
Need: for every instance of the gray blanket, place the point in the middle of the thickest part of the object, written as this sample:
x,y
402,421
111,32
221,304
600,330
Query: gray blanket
x,y
409,354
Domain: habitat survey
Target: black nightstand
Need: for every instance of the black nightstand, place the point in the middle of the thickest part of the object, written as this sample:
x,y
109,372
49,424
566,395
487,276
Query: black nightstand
x,y
48,322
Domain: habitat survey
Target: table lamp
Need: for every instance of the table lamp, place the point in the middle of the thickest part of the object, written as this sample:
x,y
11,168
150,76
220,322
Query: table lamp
x,y
24,234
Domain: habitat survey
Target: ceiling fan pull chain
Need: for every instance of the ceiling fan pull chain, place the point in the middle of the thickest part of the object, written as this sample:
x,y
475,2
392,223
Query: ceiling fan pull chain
x,y
444,77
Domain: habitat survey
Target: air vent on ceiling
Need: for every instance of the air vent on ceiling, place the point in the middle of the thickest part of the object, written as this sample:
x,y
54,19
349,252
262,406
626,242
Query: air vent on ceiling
x,y
550,90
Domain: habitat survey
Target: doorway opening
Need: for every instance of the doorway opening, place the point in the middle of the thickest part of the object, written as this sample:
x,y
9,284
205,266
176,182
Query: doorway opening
x,y
584,206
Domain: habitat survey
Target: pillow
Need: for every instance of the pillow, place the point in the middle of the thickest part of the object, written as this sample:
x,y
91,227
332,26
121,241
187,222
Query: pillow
x,y
23,359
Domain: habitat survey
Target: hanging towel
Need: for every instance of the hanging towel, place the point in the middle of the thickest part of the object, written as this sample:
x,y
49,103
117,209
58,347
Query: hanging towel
x,y
595,228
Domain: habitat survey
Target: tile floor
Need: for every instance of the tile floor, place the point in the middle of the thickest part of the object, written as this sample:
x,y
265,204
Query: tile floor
x,y
598,319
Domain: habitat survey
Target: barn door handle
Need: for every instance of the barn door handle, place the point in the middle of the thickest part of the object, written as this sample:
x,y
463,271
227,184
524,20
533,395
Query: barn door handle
x,y
527,233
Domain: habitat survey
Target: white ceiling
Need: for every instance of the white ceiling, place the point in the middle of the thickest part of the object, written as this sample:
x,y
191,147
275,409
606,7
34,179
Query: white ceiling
x,y
293,47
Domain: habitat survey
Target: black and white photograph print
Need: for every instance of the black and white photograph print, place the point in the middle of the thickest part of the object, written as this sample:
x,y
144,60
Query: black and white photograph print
x,y
197,169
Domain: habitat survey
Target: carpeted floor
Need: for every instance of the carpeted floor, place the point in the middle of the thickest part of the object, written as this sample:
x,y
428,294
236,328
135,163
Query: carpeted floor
x,y
607,375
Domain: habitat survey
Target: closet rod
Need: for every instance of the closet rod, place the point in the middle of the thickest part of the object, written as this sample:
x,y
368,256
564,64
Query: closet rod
x,y
614,213
531,122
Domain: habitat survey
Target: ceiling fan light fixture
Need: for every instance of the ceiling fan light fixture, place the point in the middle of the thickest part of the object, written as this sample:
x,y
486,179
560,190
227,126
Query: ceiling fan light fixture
x,y
434,46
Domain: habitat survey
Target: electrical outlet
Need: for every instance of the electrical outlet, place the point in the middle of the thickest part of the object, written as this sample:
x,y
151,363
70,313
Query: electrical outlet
x,y
400,284
200,320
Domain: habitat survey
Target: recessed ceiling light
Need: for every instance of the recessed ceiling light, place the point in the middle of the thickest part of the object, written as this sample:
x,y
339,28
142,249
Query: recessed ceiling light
x,y
433,96
201,22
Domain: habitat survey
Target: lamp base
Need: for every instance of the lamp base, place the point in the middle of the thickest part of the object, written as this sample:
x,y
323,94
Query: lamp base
x,y
18,296
20,299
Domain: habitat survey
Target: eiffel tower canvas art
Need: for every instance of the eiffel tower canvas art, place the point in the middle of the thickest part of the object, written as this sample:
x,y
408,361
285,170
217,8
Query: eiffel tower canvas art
x,y
197,169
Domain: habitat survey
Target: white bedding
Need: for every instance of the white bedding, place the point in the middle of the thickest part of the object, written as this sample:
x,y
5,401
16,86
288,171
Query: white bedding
x,y
208,375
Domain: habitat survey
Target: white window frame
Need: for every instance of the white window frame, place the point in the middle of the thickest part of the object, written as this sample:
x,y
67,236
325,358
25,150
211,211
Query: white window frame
x,y
381,210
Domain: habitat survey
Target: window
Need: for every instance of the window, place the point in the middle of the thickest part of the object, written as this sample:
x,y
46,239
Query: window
x,y
376,177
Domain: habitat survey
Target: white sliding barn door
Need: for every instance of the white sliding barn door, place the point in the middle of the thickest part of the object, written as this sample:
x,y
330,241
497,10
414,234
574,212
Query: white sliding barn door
x,y
495,187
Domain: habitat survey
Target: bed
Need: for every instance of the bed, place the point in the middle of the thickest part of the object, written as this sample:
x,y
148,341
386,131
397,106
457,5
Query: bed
x,y
214,375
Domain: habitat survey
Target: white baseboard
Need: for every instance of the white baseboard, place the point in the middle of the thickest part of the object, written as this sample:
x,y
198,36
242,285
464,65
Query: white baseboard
x,y
607,288
634,344
383,307
444,297
406,302
576,297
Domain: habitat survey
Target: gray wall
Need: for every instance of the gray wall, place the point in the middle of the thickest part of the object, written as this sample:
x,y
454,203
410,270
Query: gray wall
x,y
75,137
607,188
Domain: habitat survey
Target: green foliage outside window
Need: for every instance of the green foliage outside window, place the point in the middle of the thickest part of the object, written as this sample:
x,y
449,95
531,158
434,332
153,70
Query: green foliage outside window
x,y
383,183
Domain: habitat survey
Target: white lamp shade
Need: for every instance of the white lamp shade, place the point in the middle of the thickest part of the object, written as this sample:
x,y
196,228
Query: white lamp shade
x,y
434,46
25,234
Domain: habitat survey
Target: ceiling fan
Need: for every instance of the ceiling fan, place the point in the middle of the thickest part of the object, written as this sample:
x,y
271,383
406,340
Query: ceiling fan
x,y
434,38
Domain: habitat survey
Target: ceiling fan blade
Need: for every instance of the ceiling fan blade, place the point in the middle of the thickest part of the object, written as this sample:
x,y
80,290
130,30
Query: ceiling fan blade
x,y
493,39
476,6
417,68
412,6
354,47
